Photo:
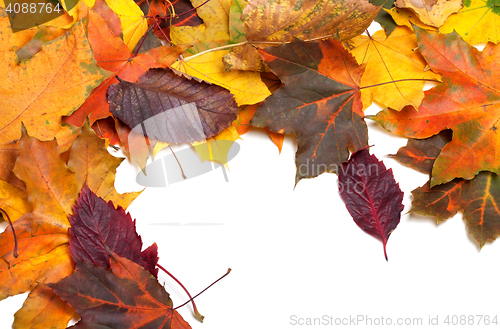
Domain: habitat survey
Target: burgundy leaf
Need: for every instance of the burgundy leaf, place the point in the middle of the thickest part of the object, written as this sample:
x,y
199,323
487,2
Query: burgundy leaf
x,y
172,107
123,296
97,224
371,195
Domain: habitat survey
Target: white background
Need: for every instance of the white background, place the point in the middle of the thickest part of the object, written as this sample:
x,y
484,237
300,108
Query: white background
x,y
297,252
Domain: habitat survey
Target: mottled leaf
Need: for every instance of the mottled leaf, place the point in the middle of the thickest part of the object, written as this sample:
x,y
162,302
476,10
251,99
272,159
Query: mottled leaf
x,y
320,102
479,198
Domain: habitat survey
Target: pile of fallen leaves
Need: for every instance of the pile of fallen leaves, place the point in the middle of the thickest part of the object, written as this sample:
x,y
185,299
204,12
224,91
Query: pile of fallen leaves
x,y
142,75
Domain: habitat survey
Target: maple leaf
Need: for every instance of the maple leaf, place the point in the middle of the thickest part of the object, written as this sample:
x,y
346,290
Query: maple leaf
x,y
466,102
371,195
172,107
432,12
319,102
477,22
41,90
97,224
389,59
128,296
478,198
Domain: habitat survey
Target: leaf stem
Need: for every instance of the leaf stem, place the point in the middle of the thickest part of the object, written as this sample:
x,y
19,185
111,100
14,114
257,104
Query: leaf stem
x,y
13,232
175,156
215,49
394,81
195,309
222,277
142,40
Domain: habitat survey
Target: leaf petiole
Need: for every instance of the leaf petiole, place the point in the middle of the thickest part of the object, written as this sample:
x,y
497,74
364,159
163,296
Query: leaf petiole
x,y
191,298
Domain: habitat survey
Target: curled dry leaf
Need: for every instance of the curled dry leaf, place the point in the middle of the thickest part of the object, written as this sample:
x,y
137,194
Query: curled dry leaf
x,y
371,195
173,107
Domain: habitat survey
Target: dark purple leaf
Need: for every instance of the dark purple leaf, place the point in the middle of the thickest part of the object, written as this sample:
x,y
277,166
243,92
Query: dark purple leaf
x,y
371,195
172,107
97,224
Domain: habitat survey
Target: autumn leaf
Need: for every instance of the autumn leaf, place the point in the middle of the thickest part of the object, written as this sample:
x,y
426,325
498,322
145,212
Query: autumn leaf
x,y
214,31
113,55
383,17
172,107
371,195
466,102
43,258
247,87
97,224
391,59
242,125
477,198
128,296
320,102
41,90
217,147
96,168
133,22
42,36
50,184
408,18
477,22
283,20
433,13
420,154
14,201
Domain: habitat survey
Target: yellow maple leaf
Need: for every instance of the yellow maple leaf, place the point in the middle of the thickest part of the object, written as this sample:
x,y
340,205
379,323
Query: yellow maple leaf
x,y
134,24
390,59
477,22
